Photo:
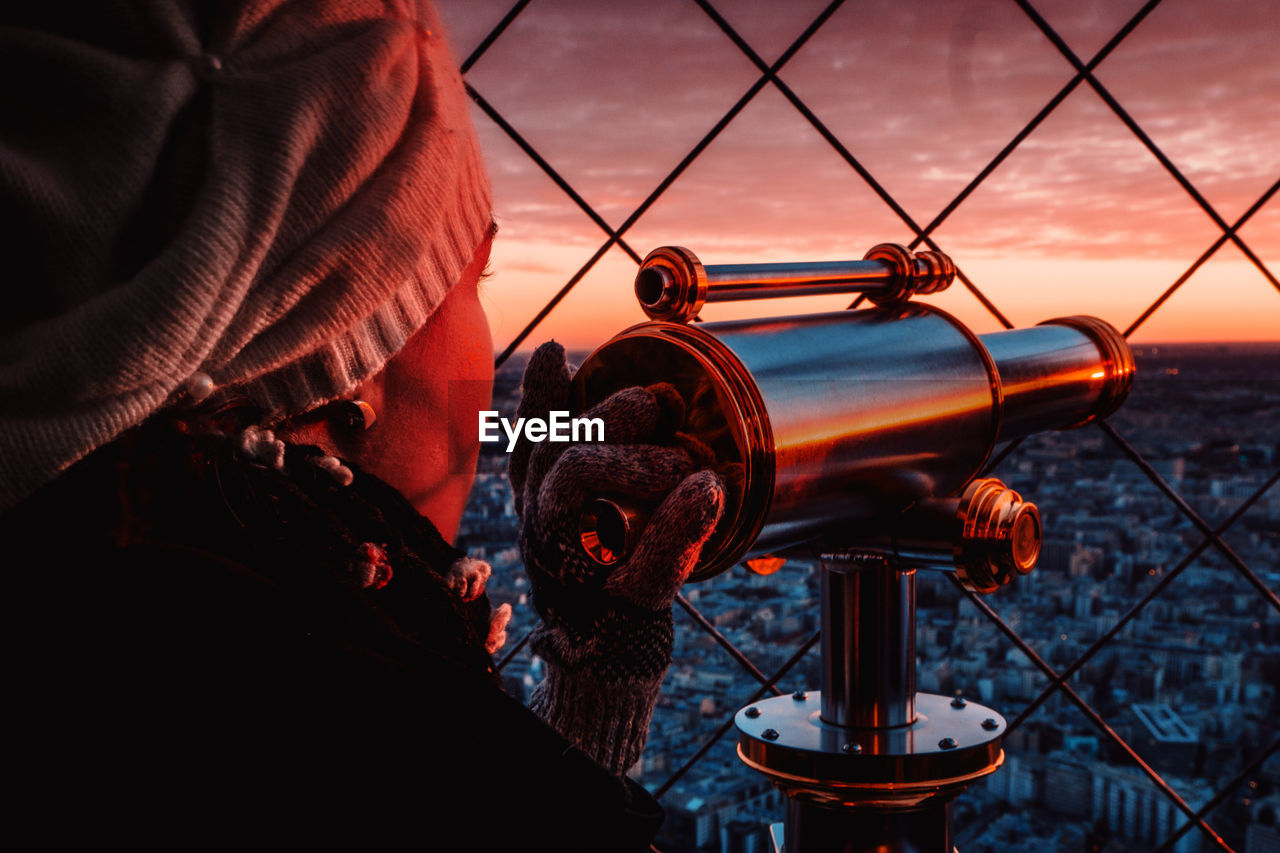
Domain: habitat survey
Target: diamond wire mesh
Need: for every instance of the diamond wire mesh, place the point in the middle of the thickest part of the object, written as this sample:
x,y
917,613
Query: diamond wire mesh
x,y
1084,75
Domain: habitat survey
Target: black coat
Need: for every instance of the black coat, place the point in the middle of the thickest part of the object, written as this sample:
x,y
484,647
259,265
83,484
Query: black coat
x,y
191,658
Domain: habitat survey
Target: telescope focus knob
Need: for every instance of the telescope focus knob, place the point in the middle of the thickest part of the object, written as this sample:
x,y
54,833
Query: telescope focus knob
x,y
1000,536
912,272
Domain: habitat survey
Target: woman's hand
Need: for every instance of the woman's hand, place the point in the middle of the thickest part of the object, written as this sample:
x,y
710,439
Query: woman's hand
x,y
607,630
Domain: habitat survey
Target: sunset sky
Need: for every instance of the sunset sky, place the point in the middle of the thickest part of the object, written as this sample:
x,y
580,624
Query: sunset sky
x,y
1080,219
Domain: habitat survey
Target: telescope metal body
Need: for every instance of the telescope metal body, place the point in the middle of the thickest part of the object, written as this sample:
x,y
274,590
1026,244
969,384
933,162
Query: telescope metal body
x,y
839,421
857,436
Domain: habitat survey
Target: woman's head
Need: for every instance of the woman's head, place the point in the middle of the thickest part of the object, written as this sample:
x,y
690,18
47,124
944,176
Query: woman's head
x,y
279,196
426,400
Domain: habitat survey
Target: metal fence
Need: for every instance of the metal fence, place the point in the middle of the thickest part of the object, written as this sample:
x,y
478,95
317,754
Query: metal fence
x,y
768,77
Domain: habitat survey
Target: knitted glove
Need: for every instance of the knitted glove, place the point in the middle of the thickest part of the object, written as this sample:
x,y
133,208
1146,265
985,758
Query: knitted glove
x,y
606,632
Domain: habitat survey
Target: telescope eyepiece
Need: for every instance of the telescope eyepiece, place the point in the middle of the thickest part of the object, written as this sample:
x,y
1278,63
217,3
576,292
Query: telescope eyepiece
x,y
609,530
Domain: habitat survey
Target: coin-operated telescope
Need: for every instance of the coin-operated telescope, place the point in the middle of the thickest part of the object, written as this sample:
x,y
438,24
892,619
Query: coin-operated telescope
x,y
857,436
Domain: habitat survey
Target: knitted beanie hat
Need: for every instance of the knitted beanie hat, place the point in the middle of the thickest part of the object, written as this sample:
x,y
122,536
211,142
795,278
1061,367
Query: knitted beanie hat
x,y
275,194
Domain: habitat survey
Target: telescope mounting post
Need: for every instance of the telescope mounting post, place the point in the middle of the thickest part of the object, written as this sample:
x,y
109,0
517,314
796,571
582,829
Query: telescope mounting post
x,y
867,763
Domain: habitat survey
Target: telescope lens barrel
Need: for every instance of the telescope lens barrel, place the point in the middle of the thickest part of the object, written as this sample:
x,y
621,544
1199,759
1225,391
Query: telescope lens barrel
x,y
1060,374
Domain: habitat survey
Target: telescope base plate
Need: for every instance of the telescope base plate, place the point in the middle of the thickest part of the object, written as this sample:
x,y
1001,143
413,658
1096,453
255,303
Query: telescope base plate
x,y
950,744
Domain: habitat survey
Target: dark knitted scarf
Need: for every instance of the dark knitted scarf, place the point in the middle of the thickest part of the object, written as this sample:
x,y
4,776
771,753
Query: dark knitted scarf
x,y
360,549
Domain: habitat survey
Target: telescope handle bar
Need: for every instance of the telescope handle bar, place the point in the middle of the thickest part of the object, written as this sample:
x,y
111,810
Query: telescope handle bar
x,y
673,284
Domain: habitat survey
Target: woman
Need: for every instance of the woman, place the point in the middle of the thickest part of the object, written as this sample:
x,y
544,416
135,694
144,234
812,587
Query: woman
x,y
238,392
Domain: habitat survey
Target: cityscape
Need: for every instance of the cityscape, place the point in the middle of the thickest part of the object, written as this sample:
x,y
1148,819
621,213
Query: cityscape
x,y
1190,681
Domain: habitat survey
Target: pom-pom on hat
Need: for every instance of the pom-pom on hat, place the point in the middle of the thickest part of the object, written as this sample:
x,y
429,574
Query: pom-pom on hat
x,y
275,194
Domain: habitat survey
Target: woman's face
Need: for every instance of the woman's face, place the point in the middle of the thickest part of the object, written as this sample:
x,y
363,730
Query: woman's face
x,y
427,398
